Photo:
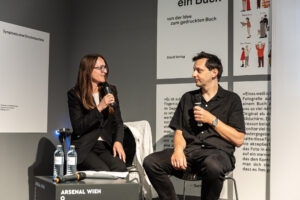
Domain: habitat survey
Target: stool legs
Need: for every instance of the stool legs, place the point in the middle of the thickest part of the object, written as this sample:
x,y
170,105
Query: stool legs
x,y
228,178
183,190
234,184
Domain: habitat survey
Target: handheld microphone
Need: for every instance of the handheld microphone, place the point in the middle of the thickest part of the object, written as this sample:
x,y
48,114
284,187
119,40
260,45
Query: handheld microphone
x,y
197,102
74,177
107,90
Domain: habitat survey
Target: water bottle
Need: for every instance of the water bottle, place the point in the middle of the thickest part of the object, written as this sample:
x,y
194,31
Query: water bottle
x,y
71,161
58,167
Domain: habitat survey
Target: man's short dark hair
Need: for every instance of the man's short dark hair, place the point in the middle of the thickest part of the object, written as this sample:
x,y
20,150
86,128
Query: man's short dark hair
x,y
212,62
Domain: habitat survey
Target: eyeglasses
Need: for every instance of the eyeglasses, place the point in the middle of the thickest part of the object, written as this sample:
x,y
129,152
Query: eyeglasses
x,y
101,68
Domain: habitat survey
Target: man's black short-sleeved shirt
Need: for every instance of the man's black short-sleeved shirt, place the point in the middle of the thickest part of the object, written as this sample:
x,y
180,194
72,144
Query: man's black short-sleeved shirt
x,y
225,105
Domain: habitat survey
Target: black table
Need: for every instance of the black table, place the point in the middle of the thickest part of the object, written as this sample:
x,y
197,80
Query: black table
x,y
87,189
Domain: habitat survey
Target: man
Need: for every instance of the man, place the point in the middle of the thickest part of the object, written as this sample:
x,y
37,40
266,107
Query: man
x,y
266,22
258,4
247,53
205,137
262,30
260,47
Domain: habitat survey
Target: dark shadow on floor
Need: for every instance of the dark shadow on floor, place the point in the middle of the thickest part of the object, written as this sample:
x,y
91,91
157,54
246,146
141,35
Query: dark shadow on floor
x,y
43,165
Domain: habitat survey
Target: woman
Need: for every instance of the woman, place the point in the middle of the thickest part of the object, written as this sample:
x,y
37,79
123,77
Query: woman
x,y
96,118
243,57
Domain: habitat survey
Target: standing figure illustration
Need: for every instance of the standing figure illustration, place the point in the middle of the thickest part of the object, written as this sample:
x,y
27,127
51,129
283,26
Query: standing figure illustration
x,y
246,5
266,22
260,47
258,2
243,57
248,24
262,29
247,52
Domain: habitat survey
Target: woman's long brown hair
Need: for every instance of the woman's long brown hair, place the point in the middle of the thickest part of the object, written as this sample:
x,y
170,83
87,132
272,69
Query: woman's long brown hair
x,y
83,85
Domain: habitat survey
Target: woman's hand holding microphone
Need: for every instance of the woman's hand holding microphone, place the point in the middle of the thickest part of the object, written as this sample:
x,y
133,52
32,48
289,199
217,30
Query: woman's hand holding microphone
x,y
105,101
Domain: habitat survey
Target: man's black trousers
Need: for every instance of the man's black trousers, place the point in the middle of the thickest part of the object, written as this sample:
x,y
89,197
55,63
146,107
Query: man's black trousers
x,y
211,163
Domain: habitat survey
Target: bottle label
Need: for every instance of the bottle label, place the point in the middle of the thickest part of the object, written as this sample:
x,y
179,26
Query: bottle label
x,y
58,160
71,161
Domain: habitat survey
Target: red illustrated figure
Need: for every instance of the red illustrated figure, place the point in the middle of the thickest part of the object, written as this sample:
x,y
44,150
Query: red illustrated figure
x,y
243,57
260,47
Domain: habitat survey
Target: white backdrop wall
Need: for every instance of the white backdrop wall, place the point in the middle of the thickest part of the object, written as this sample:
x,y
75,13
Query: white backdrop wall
x,y
285,143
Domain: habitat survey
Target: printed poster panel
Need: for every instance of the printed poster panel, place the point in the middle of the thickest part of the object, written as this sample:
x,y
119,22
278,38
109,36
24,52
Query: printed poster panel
x,y
253,157
24,55
167,99
187,27
252,37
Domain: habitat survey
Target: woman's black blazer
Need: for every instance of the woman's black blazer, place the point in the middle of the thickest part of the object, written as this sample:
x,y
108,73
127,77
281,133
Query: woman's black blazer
x,y
88,125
